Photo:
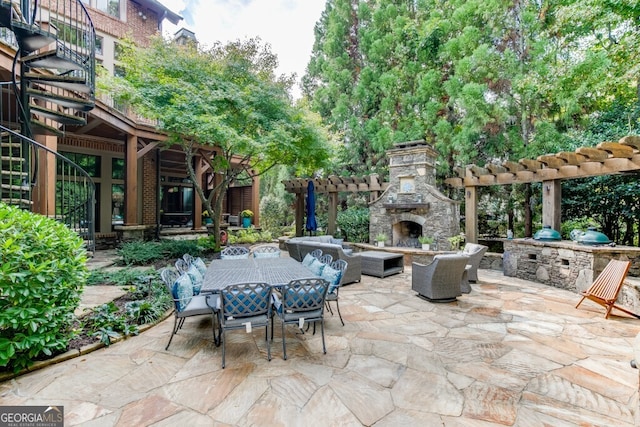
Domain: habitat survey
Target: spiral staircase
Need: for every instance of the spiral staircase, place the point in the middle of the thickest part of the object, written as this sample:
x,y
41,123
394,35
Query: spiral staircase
x,y
50,88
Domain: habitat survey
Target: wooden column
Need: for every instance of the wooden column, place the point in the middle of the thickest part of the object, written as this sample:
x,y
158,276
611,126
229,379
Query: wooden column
x,y
471,214
45,190
332,214
197,203
131,181
299,213
255,197
552,204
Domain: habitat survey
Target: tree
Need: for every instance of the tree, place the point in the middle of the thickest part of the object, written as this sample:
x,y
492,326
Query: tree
x,y
482,80
225,106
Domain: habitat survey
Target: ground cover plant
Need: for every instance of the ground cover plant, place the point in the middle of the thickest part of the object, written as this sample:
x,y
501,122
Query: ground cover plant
x,y
146,302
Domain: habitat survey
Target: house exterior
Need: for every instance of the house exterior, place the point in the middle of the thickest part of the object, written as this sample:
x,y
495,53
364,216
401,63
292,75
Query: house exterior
x,y
141,184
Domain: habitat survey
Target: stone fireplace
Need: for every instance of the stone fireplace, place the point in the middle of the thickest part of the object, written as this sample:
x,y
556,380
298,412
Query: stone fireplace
x,y
412,206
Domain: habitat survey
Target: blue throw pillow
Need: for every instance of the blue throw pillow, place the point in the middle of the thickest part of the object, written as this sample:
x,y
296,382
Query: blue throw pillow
x,y
182,291
316,267
196,279
200,265
308,259
332,276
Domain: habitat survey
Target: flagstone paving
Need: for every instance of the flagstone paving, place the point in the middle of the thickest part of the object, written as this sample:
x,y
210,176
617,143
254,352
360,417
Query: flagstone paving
x,y
511,353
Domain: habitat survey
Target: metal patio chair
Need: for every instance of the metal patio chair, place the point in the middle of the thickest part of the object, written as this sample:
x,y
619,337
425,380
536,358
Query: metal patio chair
x,y
244,306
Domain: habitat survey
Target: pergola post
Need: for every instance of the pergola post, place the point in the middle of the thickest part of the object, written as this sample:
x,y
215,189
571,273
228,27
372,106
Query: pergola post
x,y
197,203
551,203
299,213
471,214
332,214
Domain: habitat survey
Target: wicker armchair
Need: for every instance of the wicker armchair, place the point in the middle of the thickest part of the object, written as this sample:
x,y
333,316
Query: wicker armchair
x,y
475,253
440,280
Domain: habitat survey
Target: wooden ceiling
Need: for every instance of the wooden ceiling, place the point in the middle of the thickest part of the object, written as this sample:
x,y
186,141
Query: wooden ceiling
x,y
335,184
605,159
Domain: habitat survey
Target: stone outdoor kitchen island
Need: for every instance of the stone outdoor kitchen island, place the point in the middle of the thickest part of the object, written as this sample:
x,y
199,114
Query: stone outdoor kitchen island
x,y
569,265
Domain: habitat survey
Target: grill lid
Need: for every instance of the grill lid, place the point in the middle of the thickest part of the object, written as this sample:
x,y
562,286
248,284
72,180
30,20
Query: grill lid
x,y
593,237
547,234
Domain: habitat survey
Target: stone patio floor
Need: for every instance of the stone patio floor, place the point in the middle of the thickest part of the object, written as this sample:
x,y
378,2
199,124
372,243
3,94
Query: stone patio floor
x,y
511,353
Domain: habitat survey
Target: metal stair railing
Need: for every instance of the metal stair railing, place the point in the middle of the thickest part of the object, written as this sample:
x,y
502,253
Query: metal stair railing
x,y
69,24
26,169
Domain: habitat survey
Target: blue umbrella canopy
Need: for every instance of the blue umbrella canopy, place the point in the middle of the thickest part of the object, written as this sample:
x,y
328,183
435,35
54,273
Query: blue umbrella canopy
x,y
311,224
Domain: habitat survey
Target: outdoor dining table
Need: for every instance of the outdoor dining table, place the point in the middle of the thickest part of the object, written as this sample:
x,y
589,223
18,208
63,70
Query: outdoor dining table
x,y
274,271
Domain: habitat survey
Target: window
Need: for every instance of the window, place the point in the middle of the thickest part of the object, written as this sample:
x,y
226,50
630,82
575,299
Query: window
x,y
91,164
117,204
99,42
111,7
117,168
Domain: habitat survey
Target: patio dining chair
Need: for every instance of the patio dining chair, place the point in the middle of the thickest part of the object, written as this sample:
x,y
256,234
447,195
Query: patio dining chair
x,y
326,259
197,261
301,301
197,277
316,253
188,258
234,252
334,276
266,251
244,306
186,304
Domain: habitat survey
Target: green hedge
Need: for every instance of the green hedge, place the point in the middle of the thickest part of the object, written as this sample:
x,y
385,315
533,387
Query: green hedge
x,y
42,275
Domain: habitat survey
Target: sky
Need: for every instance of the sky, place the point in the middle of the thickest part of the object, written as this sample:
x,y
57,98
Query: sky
x,y
287,25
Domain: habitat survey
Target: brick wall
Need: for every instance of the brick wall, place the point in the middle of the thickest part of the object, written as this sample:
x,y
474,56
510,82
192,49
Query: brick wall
x,y
134,26
149,190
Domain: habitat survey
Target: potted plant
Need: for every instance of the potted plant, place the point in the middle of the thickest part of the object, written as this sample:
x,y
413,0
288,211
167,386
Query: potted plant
x,y
246,216
381,238
456,241
426,242
206,218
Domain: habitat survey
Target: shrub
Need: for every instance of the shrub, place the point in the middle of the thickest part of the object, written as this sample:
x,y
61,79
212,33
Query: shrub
x,y
177,248
42,275
354,224
140,253
272,211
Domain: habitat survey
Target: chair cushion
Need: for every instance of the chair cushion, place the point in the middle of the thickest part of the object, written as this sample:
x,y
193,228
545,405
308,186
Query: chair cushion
x,y
332,276
308,259
182,291
200,265
316,267
196,279
266,254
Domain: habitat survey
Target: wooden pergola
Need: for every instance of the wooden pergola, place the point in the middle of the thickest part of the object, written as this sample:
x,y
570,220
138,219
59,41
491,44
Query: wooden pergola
x,y
605,159
332,185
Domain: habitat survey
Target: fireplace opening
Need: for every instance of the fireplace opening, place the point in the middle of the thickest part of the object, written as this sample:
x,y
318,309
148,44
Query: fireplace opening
x,y
406,233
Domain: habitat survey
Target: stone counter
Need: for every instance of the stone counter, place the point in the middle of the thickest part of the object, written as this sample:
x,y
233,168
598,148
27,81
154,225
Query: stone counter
x,y
568,265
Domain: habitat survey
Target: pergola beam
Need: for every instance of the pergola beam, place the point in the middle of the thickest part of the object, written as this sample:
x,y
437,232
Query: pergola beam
x,y
332,186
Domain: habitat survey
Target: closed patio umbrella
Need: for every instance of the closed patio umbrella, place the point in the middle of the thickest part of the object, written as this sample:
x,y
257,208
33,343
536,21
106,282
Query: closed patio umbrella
x,y
311,224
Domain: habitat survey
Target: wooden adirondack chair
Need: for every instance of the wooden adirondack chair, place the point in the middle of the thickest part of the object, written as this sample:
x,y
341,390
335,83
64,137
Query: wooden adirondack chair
x,y
606,287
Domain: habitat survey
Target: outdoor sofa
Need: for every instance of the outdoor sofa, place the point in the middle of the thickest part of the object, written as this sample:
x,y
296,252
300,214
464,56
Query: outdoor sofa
x,y
298,247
